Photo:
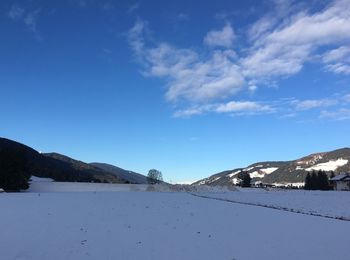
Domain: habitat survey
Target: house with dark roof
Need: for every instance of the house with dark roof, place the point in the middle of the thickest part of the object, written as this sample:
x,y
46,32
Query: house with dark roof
x,y
341,181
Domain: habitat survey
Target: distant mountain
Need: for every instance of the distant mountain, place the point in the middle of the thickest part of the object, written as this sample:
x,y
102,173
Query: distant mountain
x,y
60,167
285,172
131,177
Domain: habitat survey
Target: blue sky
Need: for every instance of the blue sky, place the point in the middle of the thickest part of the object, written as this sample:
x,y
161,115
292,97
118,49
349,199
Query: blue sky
x,y
188,87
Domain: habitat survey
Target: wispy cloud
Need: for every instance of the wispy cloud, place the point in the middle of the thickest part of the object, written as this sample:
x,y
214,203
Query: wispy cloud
x,y
282,51
27,17
338,115
30,20
133,8
278,47
313,103
16,12
182,17
243,106
223,37
347,98
338,60
235,108
189,76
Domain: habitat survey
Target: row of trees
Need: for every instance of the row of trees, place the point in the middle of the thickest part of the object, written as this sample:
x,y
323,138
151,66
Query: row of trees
x,y
317,181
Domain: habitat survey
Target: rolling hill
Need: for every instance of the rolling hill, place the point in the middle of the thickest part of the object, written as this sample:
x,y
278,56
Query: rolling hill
x,y
62,168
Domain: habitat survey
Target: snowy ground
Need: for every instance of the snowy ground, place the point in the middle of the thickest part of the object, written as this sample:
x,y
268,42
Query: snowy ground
x,y
160,225
335,204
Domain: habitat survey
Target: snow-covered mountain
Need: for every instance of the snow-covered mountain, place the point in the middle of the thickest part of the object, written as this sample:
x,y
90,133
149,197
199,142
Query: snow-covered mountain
x,y
285,172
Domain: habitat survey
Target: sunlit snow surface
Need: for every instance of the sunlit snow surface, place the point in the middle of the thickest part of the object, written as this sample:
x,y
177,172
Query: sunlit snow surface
x,y
167,225
328,166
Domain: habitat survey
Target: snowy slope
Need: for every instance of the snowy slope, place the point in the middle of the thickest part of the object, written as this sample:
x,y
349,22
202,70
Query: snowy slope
x,y
285,172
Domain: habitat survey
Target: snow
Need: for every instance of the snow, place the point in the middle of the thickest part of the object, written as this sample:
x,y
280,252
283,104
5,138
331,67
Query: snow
x,y
269,170
328,166
214,180
262,172
126,224
256,174
235,181
313,160
202,182
339,177
334,204
292,184
233,173
38,179
40,186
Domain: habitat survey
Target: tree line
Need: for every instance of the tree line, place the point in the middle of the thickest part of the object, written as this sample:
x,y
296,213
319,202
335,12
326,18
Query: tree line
x,y
317,181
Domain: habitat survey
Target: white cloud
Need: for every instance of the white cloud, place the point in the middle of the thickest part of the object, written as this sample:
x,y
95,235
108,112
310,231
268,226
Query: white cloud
x,y
222,38
28,18
189,75
347,98
336,54
189,112
238,108
339,115
16,12
243,106
338,60
261,27
285,108
313,103
283,51
135,37
278,47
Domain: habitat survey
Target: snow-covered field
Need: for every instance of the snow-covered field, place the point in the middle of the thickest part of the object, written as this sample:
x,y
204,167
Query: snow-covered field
x,y
163,225
335,204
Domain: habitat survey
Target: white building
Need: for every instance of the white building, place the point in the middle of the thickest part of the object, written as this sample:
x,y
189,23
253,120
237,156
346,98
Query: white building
x,y
341,181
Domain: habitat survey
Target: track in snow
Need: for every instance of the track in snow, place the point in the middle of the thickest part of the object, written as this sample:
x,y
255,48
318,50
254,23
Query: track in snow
x,y
273,207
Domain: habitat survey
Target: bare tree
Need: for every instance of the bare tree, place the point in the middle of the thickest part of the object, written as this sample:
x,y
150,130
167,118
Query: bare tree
x,y
154,176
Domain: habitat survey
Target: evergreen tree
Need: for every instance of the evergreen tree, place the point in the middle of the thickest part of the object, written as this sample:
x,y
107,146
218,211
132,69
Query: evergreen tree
x,y
307,182
14,172
314,181
323,181
317,181
245,178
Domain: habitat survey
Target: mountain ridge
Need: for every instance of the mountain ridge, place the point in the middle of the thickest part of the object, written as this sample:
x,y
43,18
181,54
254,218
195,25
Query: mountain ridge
x,y
285,172
61,167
